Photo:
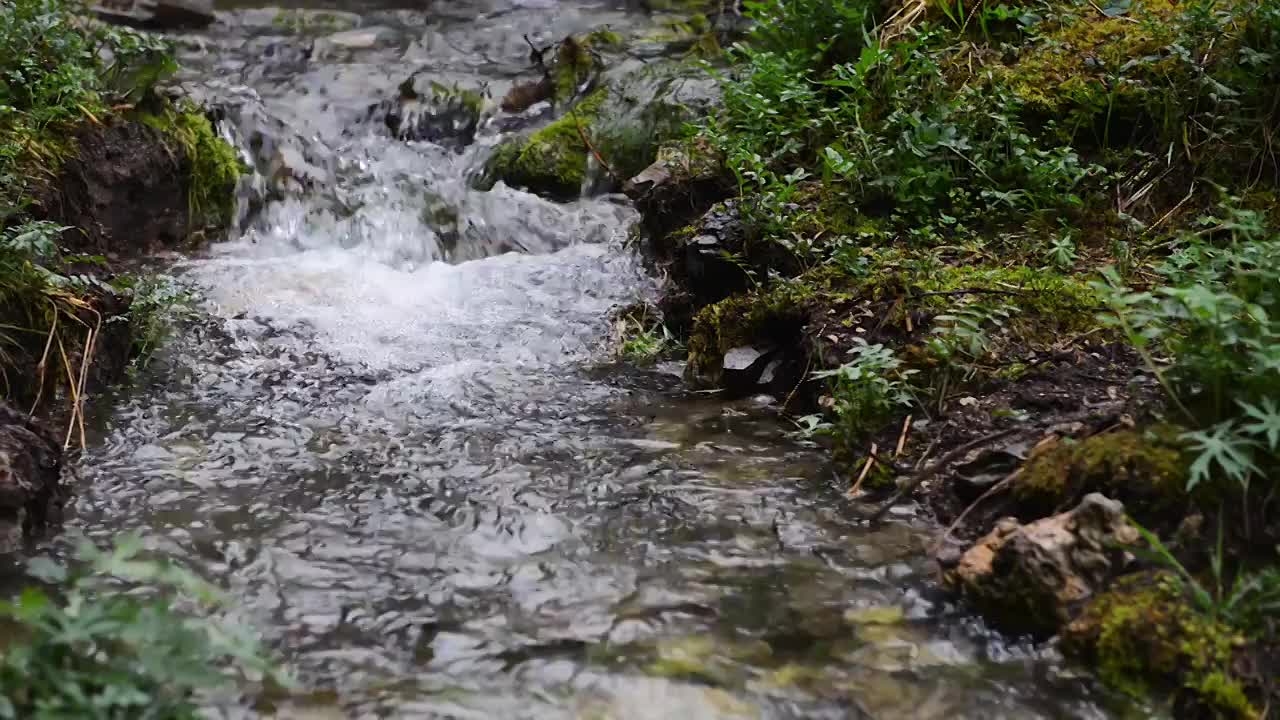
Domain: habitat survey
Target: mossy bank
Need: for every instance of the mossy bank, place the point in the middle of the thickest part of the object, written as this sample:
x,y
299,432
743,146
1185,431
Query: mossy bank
x,y
1003,260
96,171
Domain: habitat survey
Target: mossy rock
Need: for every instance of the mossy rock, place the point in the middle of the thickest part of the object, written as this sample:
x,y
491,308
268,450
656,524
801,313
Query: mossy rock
x,y
768,317
1147,471
1098,71
624,120
1144,637
215,165
553,160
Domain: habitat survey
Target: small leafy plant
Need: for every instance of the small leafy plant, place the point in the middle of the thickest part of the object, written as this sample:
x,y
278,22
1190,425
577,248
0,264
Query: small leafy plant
x,y
1218,317
865,390
94,649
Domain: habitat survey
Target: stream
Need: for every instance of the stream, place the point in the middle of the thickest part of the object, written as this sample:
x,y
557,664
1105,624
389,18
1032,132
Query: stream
x,y
395,435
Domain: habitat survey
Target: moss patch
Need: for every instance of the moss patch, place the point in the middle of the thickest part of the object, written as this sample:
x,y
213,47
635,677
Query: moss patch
x,y
553,159
1143,637
771,316
1146,471
1081,68
215,166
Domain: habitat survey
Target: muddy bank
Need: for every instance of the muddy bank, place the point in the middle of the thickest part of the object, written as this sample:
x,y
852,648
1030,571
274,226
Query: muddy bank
x,y
141,183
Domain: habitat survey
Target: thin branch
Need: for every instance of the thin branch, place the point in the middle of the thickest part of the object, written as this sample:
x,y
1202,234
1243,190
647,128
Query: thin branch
x,y
933,469
582,133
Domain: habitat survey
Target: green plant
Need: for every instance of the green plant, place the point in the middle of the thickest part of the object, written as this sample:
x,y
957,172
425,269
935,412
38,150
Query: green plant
x,y
964,330
865,390
57,71
817,32
157,304
94,650
41,308
1219,319
645,343
1062,252
1245,603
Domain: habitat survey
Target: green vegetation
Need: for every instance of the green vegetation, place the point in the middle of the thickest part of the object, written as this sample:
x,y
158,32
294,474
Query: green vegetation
x,y
58,71
940,196
44,315
1146,471
62,74
215,166
157,305
91,650
1143,636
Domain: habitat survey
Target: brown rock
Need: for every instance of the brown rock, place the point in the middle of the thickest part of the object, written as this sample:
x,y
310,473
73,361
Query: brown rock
x,y
31,493
1030,578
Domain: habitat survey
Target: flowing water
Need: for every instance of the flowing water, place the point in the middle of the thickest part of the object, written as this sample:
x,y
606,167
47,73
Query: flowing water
x,y
395,437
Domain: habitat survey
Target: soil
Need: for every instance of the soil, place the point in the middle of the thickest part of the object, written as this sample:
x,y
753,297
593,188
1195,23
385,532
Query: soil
x,y
123,194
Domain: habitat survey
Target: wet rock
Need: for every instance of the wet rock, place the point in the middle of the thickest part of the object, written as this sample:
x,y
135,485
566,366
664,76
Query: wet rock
x,y
610,134
157,14
31,493
1030,578
297,20
429,111
282,161
708,249
124,192
348,41
683,182
771,317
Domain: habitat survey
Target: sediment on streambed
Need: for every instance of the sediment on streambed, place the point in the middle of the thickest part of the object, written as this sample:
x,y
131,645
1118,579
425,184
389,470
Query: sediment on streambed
x,y
1032,291
99,171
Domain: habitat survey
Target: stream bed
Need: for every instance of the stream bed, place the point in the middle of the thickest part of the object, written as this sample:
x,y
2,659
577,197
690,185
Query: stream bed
x,y
393,432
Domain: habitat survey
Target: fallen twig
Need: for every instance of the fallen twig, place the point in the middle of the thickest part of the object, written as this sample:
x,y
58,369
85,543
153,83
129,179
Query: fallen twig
x,y
902,438
42,366
933,469
1008,479
866,468
582,133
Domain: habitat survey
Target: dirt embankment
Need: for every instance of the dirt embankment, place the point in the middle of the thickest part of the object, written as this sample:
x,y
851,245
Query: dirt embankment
x,y
130,186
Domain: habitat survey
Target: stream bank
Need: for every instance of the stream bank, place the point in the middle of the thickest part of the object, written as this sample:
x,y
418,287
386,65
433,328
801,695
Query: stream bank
x,y
963,252
99,172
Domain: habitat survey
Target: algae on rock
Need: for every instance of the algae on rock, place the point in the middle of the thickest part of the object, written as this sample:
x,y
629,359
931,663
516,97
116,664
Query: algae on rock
x,y
623,120
1143,635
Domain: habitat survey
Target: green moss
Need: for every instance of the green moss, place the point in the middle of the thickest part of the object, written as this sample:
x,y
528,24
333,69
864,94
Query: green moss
x,y
604,38
704,658
1066,302
573,66
215,165
757,317
1082,68
1143,636
553,159
688,658
1224,696
1145,471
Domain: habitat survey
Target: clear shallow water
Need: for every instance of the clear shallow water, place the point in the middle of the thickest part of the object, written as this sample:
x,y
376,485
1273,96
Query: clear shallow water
x,y
393,439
